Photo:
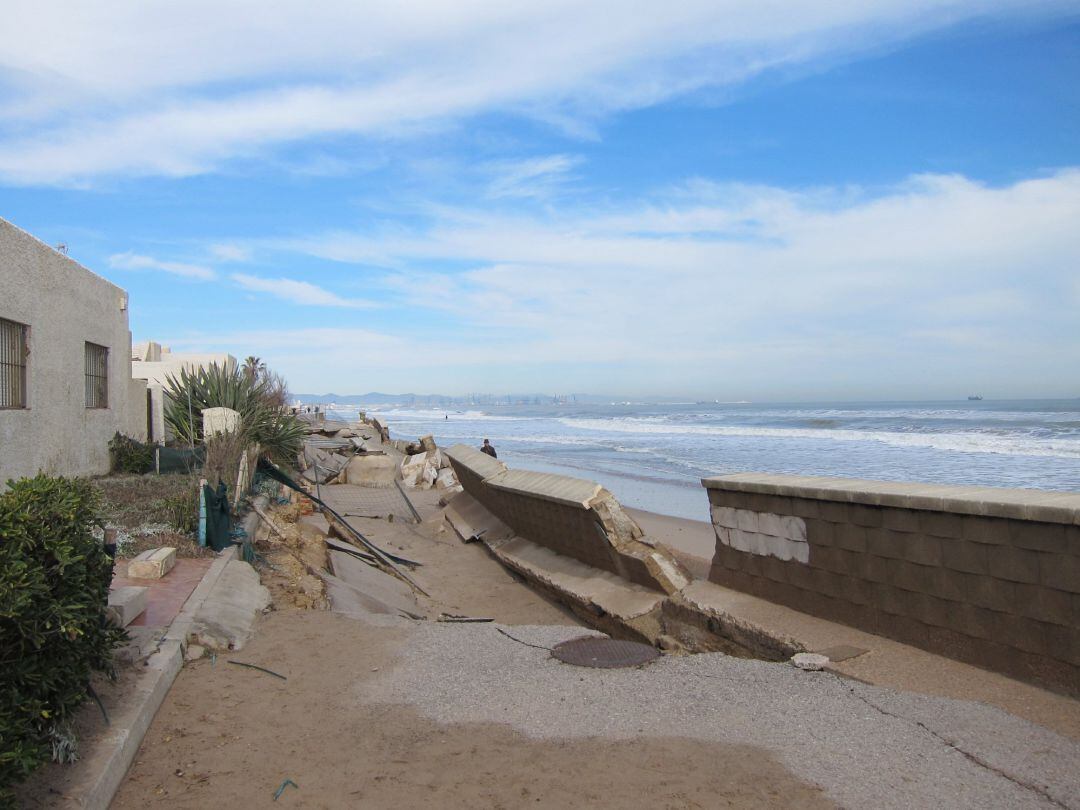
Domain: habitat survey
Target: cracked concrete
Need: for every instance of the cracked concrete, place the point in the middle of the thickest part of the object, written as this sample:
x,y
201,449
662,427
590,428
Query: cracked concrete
x,y
866,746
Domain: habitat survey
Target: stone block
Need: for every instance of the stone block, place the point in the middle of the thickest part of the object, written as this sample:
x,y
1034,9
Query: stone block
x,y
793,528
976,622
921,548
747,520
982,591
912,576
874,568
863,515
1048,537
1014,564
152,564
900,520
992,531
771,524
850,537
805,508
833,511
1045,604
725,516
963,555
125,604
886,542
941,524
1060,571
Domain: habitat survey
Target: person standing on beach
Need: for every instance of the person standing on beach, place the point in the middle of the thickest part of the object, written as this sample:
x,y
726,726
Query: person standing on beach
x,y
487,448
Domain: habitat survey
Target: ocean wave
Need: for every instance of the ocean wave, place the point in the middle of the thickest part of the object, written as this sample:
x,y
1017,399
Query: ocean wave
x,y
958,442
437,415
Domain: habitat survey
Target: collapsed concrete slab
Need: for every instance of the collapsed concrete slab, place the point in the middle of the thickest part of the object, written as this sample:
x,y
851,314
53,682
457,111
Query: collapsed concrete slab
x,y
226,619
370,471
471,521
356,587
570,516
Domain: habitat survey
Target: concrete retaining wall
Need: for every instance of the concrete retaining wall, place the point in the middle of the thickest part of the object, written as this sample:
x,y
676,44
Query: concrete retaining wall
x,y
987,576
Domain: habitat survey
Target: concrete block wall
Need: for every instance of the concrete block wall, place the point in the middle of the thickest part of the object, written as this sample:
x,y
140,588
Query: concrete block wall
x,y
570,516
988,576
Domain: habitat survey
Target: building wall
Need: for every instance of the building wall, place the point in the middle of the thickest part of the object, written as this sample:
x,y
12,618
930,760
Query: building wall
x,y
65,305
987,576
157,372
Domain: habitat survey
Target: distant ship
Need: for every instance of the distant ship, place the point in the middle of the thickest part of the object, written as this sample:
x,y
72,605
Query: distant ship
x,y
975,398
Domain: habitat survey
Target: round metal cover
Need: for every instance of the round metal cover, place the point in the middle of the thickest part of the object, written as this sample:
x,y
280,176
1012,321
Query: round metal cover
x,y
607,653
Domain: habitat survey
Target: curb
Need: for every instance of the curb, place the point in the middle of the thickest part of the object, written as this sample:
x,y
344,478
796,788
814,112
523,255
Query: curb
x,y
109,765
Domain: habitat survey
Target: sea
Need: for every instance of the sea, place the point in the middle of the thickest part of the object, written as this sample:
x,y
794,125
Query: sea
x,y
653,456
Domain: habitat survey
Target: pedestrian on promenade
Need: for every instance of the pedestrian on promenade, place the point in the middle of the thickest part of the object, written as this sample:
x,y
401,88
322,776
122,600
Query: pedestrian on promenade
x,y
487,448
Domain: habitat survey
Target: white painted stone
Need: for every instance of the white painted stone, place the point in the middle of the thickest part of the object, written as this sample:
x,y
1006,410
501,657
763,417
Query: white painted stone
x,y
723,534
725,516
747,520
771,524
794,528
811,662
800,550
220,420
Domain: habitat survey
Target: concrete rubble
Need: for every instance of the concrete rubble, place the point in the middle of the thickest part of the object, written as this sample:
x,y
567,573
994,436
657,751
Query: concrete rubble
x,y
153,563
226,619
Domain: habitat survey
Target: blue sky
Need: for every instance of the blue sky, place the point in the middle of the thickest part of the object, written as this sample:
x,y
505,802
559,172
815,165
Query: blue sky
x,y
821,200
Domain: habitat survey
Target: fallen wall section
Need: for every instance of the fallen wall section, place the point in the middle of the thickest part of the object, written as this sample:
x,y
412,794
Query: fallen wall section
x,y
572,517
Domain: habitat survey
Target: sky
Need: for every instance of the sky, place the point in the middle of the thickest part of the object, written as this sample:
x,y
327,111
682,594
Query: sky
x,y
821,200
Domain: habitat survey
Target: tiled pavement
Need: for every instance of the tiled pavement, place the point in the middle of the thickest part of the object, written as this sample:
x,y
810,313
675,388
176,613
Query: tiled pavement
x,y
168,594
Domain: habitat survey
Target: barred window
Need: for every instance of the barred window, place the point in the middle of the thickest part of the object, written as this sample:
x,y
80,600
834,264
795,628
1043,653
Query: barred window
x,y
12,364
97,376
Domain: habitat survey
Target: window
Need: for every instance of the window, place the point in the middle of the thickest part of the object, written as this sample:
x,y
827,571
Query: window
x,y
12,364
97,376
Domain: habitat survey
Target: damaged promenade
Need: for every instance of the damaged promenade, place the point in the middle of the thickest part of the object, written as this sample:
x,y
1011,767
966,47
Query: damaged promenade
x,y
409,649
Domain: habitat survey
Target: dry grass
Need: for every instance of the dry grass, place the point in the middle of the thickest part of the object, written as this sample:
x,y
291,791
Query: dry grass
x,y
137,506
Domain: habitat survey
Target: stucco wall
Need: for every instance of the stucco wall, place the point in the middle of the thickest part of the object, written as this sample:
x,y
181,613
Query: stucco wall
x,y
157,372
64,305
988,576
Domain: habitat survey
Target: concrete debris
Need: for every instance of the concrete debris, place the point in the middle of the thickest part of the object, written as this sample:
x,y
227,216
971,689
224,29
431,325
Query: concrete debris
x,y
811,662
153,563
125,604
445,479
194,652
226,619
370,471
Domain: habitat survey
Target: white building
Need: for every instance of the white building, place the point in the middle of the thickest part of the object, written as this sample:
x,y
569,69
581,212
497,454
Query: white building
x,y
155,363
65,373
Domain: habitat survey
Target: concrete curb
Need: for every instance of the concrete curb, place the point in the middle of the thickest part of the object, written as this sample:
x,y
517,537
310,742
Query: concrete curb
x,y
106,769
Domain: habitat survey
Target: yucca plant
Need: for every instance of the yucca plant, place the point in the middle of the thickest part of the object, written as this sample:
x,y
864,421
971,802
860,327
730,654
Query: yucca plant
x,y
262,421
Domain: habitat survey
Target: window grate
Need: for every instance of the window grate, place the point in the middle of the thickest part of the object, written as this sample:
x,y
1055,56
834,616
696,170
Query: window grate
x,y
12,364
97,376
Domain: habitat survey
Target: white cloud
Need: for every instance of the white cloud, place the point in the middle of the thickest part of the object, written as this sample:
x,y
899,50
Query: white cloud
x,y
136,261
531,177
132,88
936,282
298,292
230,253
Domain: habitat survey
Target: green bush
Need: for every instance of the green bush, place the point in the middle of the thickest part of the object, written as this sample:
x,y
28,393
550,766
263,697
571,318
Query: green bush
x,y
129,455
54,586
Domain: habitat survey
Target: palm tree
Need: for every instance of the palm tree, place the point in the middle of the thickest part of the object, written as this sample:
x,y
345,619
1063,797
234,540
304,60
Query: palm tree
x,y
253,367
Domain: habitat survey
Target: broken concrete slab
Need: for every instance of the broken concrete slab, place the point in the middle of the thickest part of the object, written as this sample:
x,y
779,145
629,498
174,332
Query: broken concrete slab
x,y
471,521
371,471
226,619
153,563
382,593
125,604
604,600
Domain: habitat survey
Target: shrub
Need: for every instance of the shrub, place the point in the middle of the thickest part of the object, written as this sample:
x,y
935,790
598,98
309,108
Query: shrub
x,y
183,509
129,455
256,398
54,586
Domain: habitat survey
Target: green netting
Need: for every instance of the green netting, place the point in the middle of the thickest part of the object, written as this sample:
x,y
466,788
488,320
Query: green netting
x,y
179,459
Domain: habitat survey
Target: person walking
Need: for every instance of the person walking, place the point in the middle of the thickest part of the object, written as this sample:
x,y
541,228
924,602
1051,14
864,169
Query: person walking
x,y
487,448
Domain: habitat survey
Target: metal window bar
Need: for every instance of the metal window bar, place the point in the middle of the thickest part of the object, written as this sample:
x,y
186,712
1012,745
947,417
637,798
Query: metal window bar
x,y
12,364
97,376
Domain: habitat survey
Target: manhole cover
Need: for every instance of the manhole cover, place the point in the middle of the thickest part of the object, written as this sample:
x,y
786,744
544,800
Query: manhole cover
x,y
608,653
